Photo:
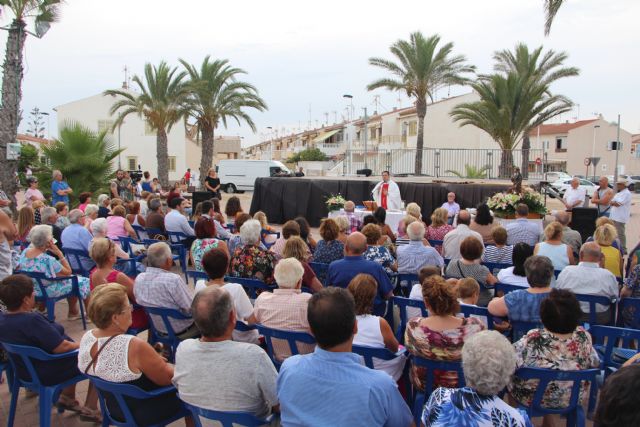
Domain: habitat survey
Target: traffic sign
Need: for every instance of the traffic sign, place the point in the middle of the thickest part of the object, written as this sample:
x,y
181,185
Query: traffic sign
x,y
587,161
538,161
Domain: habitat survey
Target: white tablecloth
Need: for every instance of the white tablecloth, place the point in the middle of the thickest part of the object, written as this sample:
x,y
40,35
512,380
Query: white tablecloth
x,y
392,220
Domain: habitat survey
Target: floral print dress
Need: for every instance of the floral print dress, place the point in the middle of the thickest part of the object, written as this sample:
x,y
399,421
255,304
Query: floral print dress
x,y
629,314
539,348
327,252
381,255
438,345
252,262
437,233
50,266
199,247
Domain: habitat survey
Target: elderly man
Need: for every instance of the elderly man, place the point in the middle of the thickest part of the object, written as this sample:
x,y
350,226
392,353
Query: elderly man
x,y
76,236
574,196
176,221
523,230
451,206
351,394
569,236
588,278
208,212
217,373
60,190
49,216
155,218
415,255
602,197
453,239
355,223
285,308
621,211
343,270
159,287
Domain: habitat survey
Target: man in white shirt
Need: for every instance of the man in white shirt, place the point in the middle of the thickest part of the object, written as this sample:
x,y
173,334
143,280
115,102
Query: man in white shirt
x,y
386,193
574,196
621,211
588,278
453,239
176,221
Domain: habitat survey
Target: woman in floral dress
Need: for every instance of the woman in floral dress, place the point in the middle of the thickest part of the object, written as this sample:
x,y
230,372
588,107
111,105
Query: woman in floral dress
x,y
631,289
250,260
205,230
439,227
376,252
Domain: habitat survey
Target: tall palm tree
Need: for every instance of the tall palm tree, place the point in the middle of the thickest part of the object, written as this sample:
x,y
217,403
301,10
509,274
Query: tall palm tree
x,y
216,96
160,103
551,8
420,70
42,13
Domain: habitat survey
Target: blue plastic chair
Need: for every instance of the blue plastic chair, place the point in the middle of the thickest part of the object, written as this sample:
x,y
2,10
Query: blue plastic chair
x,y
370,353
48,395
408,279
505,288
75,258
592,300
403,304
119,391
169,338
127,266
469,310
435,243
629,313
41,279
291,337
574,412
251,286
263,235
243,327
197,275
153,233
226,419
176,237
322,271
614,345
141,232
520,328
137,331
493,266
126,242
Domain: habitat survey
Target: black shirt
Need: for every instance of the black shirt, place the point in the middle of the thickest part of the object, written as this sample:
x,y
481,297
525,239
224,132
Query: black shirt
x,y
213,183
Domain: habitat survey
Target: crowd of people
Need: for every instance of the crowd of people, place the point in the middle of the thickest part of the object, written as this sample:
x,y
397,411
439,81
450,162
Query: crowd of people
x,y
336,289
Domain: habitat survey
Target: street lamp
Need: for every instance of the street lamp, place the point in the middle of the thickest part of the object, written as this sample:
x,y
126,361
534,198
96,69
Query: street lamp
x,y
593,149
349,119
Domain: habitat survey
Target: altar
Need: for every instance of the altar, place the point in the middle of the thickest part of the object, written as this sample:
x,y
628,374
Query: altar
x,y
392,220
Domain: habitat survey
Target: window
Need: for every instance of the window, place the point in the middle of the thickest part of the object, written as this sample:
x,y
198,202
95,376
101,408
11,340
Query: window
x,y
373,133
148,130
132,163
413,128
561,144
172,163
105,125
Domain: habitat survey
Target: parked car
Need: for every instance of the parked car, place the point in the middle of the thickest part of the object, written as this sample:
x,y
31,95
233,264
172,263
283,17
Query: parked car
x,y
562,185
239,175
556,176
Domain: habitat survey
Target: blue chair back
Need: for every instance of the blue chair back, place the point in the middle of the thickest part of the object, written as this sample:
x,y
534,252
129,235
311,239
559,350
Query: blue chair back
x,y
473,310
118,392
226,419
505,288
251,286
592,300
141,232
614,345
370,353
322,271
403,304
243,327
629,313
154,233
435,243
127,266
406,281
41,281
165,314
263,237
76,257
20,245
197,275
496,266
137,331
126,242
176,237
520,328
291,337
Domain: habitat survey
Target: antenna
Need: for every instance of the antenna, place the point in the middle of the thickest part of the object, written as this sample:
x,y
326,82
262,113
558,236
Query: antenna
x,y
309,117
335,117
326,118
125,83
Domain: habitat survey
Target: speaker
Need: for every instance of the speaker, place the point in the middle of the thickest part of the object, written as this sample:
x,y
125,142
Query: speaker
x,y
583,220
365,172
200,196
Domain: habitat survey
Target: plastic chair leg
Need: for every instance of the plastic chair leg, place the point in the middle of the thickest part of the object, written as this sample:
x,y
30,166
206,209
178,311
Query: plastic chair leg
x,y
15,391
51,310
593,398
82,315
45,406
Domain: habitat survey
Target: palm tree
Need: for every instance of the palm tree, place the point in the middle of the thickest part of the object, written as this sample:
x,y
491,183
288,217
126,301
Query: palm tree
x,y
421,69
216,96
43,13
551,8
472,172
160,103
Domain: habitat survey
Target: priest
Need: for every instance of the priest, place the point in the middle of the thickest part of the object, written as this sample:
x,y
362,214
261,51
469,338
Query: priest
x,y
386,193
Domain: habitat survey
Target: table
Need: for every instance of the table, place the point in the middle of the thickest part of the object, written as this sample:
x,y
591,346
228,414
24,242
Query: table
x,y
392,220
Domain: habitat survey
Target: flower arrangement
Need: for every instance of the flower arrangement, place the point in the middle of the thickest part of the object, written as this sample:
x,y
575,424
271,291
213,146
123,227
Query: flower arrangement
x,y
504,205
335,202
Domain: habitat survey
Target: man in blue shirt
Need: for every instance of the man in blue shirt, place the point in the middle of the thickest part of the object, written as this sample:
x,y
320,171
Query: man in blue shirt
x,y
342,271
75,236
330,387
59,189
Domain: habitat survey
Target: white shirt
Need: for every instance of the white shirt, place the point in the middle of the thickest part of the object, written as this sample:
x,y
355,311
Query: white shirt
x,y
574,195
453,239
507,277
174,221
623,212
587,278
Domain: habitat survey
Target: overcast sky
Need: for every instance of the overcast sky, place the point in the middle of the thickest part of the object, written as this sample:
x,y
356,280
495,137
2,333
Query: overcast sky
x,y
305,55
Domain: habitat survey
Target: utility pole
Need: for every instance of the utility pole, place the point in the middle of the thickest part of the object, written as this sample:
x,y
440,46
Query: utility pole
x,y
615,173
366,137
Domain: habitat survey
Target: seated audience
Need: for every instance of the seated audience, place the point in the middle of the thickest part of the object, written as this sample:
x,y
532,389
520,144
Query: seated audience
x,y
35,259
235,240
239,376
84,199
604,236
76,236
402,238
144,203
7,233
176,221
618,400
290,228
62,209
488,362
155,218
441,335
499,251
329,249
125,358
99,230
26,221
91,214
135,216
631,289
305,233
415,255
118,226
355,223
159,287
208,211
522,230
343,225
233,208
297,248
50,218
569,236
175,192
268,233
483,223
559,253
380,215
205,241
468,290
351,393
603,220
341,272
562,344
250,260
285,308
374,331
524,305
516,275
376,252
21,325
37,207
469,266
103,206
217,215
439,227
454,238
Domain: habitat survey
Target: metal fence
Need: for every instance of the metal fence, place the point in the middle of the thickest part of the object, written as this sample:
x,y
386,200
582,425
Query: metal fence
x,y
445,162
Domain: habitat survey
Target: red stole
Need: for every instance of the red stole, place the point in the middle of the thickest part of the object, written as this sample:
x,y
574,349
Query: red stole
x,y
384,192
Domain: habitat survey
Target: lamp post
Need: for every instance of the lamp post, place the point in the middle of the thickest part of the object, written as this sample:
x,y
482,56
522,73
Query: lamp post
x,y
349,118
365,137
270,143
615,172
593,149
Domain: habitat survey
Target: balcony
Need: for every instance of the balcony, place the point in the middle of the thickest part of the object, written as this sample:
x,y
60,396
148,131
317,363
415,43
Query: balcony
x,y
331,149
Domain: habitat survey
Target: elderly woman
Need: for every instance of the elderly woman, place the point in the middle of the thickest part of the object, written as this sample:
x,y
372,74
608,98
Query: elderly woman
x,y
251,260
377,253
329,249
26,221
21,325
469,266
35,259
374,331
124,358
118,226
344,227
562,344
103,206
604,236
516,275
441,335
60,190
488,361
91,214
205,241
439,227
84,199
32,194
553,248
235,241
297,248
62,209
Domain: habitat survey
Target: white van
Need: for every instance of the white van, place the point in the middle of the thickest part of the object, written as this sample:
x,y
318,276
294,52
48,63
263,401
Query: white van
x,y
241,174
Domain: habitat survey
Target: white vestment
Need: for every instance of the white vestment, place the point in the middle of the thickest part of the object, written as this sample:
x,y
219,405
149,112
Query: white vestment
x,y
393,196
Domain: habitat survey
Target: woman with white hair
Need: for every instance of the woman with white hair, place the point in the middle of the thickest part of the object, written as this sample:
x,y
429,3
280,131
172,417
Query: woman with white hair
x,y
251,260
35,259
91,214
488,361
99,229
103,206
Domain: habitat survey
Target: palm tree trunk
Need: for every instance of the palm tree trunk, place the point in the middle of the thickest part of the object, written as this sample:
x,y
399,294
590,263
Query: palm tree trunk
x,y
10,110
506,163
162,156
421,110
526,146
207,152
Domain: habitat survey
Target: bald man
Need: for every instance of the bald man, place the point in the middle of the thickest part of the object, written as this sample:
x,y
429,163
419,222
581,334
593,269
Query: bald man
x,y
342,271
453,239
574,196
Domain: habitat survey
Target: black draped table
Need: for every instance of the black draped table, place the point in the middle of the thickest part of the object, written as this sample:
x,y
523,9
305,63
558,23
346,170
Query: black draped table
x,y
282,199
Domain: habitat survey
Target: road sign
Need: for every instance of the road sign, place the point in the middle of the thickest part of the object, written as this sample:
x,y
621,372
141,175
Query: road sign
x,y
587,161
538,161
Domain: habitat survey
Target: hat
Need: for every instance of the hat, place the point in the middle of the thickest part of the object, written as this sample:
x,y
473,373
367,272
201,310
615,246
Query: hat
x,y
32,179
622,181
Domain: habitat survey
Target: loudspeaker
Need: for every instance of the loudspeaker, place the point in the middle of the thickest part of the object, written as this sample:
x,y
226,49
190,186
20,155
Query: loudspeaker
x,y
199,196
583,220
365,172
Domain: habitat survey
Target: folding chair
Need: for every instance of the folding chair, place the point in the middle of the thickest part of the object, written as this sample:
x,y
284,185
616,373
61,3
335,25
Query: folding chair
x,y
227,419
291,337
170,337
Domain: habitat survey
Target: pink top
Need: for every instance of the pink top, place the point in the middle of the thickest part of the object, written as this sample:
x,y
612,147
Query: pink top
x,y
115,227
32,192
83,206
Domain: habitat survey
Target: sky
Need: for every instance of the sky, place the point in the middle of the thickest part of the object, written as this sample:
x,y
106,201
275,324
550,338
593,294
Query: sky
x,y
304,56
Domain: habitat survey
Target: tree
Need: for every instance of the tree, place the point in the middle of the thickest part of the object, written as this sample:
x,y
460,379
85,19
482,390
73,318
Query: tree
x,y
28,159
160,103
472,172
421,70
36,125
83,156
42,13
551,8
308,155
216,96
